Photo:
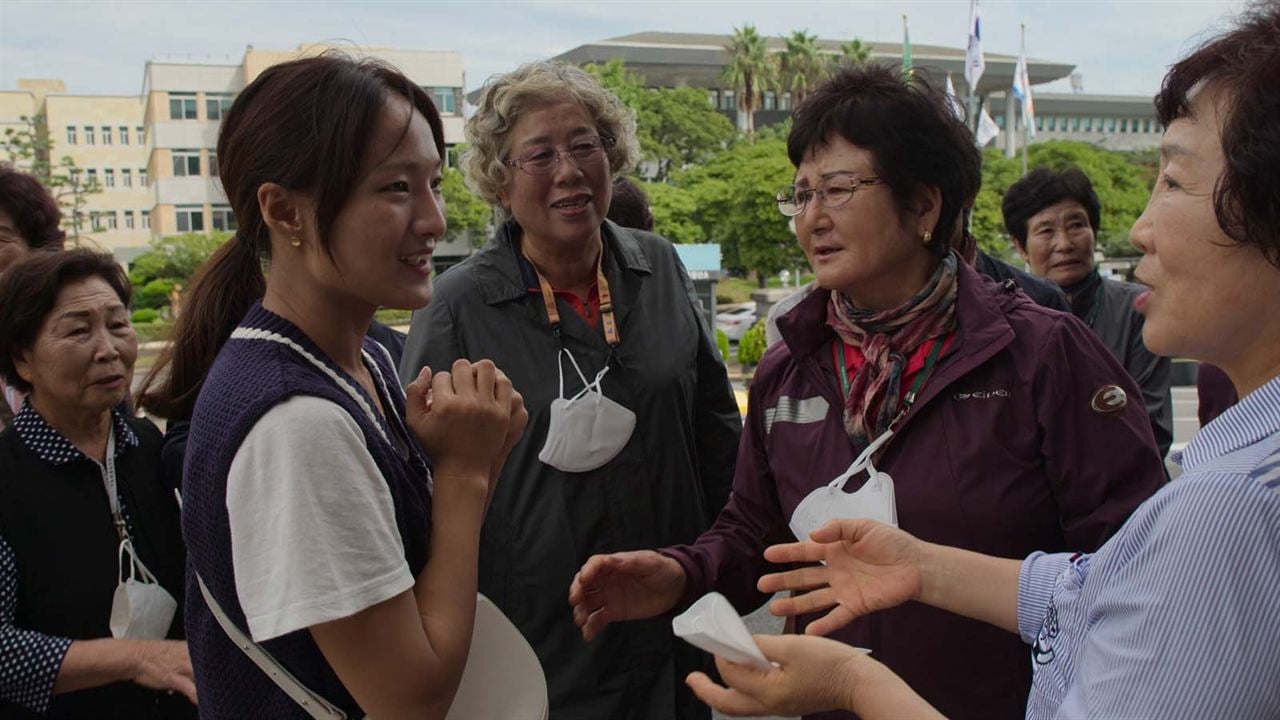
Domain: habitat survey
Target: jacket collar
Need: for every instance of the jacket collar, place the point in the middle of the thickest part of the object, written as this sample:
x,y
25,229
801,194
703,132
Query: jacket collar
x,y
53,447
981,327
498,269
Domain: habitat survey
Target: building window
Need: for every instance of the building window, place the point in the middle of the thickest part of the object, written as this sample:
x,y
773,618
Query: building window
x,y
190,218
186,163
140,135
91,176
106,134
109,177
784,102
146,219
444,100
727,100
111,219
713,98
88,134
1000,121
128,219
124,134
770,100
1146,125
71,134
95,220
213,163
142,177
126,177
1111,125
222,218
1075,124
216,105
182,106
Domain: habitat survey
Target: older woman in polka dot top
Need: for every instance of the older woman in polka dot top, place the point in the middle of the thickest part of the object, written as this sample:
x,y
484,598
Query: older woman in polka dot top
x,y
83,508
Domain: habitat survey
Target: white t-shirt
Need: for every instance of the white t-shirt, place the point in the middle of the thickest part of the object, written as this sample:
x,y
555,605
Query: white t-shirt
x,y
313,528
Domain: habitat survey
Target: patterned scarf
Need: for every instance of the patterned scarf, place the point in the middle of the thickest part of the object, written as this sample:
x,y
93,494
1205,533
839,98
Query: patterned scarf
x,y
887,338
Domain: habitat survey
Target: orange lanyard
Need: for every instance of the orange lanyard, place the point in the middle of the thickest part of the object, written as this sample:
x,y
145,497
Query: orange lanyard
x,y
606,302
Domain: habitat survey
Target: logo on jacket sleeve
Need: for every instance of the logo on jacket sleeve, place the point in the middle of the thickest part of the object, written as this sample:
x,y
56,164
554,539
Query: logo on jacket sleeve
x,y
1109,399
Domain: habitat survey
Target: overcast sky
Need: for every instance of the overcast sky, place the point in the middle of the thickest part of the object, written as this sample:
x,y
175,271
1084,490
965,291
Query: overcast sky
x,y
1119,46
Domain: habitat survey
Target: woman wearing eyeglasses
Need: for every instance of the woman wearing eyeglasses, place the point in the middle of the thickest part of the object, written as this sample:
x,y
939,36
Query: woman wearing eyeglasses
x,y
633,425
983,420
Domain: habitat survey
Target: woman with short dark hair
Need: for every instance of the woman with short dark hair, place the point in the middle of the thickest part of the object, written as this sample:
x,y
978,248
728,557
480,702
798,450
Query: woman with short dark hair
x,y
1175,616
1053,217
909,375
83,507
29,219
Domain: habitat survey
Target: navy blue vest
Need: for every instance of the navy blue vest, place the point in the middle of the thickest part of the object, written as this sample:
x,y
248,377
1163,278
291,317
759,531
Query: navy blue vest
x,y
267,361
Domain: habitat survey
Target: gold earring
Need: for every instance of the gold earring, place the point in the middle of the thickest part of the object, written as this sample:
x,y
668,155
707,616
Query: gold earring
x,y
928,235
296,241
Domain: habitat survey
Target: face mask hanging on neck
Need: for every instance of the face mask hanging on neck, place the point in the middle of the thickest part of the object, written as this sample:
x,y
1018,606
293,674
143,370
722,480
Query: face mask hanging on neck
x,y
141,609
587,430
874,500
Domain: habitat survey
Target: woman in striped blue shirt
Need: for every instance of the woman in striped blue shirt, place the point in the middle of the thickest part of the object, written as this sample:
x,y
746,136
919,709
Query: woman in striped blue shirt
x,y
1178,615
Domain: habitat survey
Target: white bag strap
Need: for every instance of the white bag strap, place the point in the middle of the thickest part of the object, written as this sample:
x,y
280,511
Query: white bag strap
x,y
311,703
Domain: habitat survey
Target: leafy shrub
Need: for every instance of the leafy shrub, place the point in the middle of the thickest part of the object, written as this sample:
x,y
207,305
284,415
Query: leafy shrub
x,y
144,316
153,331
393,316
722,343
752,345
154,294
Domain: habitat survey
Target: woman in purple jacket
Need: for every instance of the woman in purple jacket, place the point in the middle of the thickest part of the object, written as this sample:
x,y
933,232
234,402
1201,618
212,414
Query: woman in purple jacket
x,y
1001,426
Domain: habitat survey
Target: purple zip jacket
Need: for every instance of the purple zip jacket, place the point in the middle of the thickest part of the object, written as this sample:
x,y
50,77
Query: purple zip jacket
x,y
1016,444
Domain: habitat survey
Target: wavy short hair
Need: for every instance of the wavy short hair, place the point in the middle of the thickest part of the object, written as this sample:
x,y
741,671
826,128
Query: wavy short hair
x,y
1042,188
1242,64
34,211
535,85
914,138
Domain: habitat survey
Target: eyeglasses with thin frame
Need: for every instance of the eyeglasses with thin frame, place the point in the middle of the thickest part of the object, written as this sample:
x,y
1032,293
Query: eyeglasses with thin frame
x,y
585,152
832,192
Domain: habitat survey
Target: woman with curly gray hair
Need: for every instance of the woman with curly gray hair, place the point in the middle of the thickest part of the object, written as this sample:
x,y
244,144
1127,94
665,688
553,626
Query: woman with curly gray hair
x,y
633,425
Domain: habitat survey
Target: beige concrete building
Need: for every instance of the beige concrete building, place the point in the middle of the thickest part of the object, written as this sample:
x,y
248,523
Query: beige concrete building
x,y
183,107
14,106
103,134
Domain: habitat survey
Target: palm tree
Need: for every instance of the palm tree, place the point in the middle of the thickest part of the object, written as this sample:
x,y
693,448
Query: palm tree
x,y
854,52
802,67
752,69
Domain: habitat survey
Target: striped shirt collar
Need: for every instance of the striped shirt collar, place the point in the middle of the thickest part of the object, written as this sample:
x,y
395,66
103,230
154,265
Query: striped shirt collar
x,y
54,448
1255,417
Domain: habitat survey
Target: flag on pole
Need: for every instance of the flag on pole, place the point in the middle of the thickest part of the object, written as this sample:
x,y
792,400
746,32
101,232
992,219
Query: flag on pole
x,y
974,63
953,101
1022,89
987,128
906,49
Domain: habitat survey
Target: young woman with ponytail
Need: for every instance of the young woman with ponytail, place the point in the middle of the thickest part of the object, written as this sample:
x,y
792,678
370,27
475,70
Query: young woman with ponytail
x,y
318,531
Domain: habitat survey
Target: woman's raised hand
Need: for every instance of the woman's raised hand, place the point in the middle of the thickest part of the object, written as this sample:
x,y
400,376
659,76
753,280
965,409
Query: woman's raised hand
x,y
463,417
624,586
869,566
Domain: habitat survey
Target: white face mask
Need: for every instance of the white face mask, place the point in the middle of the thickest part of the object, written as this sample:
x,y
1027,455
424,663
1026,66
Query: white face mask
x,y
874,500
587,430
140,609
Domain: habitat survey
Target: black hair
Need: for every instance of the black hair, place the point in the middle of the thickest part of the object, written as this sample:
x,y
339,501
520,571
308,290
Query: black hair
x,y
630,206
1042,188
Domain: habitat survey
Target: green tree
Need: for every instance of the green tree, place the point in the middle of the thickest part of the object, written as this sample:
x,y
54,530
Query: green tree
x,y
676,127
733,202
1122,181
751,70
801,66
30,148
174,258
854,52
674,212
467,212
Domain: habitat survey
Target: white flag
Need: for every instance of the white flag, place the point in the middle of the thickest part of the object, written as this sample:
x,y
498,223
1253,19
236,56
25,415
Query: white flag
x,y
953,101
1022,91
987,128
974,63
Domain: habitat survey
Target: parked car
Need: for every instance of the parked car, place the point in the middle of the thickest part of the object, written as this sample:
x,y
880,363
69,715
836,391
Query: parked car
x,y
736,319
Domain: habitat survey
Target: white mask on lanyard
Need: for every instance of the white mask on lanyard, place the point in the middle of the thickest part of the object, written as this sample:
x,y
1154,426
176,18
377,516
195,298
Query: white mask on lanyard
x,y
141,609
587,430
874,500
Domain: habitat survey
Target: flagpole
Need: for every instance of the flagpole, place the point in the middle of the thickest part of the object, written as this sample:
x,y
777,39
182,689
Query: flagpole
x,y
1026,122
